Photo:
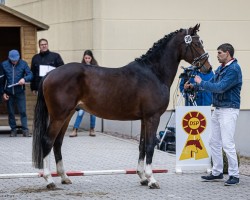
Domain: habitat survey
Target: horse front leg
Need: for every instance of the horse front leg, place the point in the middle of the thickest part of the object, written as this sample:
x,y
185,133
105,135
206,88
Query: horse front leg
x,y
58,155
142,153
151,125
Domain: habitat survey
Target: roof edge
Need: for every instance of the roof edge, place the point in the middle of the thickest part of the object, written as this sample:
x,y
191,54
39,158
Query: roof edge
x,y
40,26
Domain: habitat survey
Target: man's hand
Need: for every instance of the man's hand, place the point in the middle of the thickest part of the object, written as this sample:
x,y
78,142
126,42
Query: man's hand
x,y
5,97
197,79
21,82
188,85
34,92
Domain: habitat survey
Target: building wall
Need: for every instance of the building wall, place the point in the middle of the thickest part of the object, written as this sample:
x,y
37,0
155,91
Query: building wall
x,y
70,24
28,42
118,31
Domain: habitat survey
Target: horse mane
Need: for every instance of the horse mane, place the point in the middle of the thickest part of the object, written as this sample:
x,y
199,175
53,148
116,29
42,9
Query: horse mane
x,y
157,46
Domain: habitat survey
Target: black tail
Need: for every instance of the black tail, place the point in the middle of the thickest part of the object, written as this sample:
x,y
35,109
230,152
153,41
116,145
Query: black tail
x,y
40,126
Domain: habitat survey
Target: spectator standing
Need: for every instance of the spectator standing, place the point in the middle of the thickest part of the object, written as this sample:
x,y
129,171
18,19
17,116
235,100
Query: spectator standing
x,y
42,63
16,73
87,59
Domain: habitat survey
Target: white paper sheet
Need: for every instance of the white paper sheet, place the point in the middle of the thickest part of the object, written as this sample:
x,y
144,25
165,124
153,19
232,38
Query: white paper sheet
x,y
44,69
13,85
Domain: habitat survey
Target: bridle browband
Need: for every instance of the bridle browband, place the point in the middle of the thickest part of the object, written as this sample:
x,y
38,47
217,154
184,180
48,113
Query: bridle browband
x,y
197,62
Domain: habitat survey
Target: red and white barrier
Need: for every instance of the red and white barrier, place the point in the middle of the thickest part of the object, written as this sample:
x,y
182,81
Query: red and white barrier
x,y
77,173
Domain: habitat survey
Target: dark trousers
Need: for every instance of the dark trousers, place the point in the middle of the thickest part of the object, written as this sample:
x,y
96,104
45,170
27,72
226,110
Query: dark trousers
x,y
20,100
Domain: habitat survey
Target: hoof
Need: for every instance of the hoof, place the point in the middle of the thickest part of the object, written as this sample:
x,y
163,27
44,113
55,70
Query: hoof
x,y
66,181
154,186
144,182
51,186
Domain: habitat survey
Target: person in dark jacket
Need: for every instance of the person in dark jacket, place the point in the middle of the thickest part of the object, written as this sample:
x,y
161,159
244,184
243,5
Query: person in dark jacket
x,y
16,73
42,63
202,97
226,87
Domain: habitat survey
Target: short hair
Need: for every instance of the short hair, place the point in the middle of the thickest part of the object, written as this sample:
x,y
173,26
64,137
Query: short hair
x,y
42,39
227,47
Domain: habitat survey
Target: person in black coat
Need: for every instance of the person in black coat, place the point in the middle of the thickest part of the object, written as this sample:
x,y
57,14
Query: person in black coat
x,y
42,63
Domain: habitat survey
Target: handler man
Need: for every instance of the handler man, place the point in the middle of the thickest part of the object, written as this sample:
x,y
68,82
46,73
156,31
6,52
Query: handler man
x,y
226,87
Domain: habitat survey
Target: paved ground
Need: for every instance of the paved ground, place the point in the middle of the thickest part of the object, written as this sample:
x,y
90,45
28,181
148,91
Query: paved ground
x,y
105,152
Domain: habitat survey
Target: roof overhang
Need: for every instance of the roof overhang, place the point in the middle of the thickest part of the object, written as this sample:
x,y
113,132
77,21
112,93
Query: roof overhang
x,y
40,26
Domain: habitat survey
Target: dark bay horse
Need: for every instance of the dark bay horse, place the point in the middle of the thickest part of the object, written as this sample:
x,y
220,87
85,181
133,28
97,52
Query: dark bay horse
x,y
137,91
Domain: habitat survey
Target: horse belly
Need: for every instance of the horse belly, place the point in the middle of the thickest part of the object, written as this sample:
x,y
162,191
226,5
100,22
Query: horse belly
x,y
125,108
112,112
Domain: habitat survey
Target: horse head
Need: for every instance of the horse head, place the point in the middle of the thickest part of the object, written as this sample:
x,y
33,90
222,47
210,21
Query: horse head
x,y
192,49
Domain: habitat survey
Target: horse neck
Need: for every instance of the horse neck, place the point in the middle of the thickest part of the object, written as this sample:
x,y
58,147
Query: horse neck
x,y
169,63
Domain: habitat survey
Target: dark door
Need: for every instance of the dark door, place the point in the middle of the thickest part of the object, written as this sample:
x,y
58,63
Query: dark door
x,y
10,39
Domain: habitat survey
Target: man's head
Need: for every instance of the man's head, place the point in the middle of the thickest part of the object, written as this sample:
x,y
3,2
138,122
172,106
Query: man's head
x,y
43,45
14,56
225,53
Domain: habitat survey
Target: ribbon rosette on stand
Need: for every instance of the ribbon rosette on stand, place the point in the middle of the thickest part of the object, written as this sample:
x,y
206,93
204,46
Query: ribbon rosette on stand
x,y
194,123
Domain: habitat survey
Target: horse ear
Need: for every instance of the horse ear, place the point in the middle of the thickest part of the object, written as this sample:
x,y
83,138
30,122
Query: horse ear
x,y
195,29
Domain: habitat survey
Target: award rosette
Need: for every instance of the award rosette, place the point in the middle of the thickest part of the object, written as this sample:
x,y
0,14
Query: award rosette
x,y
194,123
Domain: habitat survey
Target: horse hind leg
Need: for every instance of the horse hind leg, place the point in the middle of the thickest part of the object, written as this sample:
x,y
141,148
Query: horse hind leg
x,y
142,153
48,143
47,174
58,155
151,128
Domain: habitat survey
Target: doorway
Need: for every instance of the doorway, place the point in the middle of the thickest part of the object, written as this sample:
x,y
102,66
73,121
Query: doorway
x,y
10,39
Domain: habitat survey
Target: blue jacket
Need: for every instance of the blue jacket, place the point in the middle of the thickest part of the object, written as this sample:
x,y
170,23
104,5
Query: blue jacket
x,y
225,86
203,98
13,74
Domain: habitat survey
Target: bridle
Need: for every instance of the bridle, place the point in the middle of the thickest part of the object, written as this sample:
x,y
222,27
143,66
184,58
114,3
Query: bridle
x,y
199,61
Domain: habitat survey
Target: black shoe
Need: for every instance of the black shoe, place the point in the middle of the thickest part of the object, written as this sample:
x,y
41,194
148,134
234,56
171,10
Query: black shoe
x,y
13,133
211,178
232,181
